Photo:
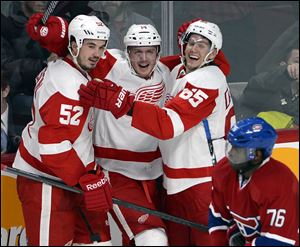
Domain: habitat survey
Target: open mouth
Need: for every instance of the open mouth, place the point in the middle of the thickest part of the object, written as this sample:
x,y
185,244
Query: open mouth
x,y
193,57
144,66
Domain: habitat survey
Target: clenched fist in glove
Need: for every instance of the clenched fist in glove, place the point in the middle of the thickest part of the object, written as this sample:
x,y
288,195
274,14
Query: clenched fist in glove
x,y
53,36
107,96
97,192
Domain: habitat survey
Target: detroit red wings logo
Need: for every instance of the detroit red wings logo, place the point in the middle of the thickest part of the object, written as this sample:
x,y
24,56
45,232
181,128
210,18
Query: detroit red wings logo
x,y
150,94
91,123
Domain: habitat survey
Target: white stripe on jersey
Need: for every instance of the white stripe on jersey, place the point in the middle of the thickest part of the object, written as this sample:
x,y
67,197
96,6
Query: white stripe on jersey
x,y
55,148
178,126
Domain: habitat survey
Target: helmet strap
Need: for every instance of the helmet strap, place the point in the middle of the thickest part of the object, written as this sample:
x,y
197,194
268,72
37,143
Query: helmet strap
x,y
75,57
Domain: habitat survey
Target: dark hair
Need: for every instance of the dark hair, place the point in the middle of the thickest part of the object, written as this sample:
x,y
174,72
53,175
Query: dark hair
x,y
4,79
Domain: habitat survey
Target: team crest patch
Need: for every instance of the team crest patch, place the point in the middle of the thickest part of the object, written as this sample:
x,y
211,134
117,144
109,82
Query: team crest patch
x,y
44,31
143,218
256,127
249,226
150,94
91,123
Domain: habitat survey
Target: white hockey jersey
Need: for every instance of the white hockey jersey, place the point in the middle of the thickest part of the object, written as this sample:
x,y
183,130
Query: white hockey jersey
x,y
57,143
118,146
190,98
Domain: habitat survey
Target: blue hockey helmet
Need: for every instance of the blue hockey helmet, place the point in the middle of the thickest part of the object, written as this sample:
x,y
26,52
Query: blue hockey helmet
x,y
249,135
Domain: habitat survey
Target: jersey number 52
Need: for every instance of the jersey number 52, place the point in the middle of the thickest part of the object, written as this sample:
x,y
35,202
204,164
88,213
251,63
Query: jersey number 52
x,y
69,115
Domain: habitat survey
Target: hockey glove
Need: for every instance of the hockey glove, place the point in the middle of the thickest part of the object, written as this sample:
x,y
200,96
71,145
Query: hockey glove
x,y
107,96
53,36
97,192
235,238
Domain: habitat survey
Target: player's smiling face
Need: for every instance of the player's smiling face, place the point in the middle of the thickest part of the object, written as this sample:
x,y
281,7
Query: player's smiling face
x,y
196,50
143,59
90,53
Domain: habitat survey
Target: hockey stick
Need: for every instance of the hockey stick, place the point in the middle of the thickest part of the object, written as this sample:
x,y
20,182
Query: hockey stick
x,y
52,5
119,202
54,8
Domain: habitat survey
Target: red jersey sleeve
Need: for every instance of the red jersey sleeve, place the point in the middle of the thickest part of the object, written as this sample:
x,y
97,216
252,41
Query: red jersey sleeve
x,y
63,121
187,109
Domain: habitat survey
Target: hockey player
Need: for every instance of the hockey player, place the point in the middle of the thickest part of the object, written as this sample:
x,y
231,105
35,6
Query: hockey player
x,y
192,126
57,143
255,198
130,158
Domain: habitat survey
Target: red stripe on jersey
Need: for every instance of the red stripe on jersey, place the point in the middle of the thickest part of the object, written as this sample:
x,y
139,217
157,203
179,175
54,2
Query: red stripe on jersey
x,y
63,169
34,162
126,155
200,172
230,114
103,67
288,135
66,165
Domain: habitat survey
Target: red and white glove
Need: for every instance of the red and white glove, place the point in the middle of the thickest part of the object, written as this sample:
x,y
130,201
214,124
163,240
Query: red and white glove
x,y
220,60
97,192
53,36
107,96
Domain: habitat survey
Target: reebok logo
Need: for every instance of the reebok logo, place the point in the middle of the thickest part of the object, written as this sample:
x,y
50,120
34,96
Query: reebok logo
x,y
96,185
121,97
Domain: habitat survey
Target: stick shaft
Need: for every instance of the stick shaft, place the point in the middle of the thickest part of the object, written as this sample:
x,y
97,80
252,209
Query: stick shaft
x,y
119,202
52,5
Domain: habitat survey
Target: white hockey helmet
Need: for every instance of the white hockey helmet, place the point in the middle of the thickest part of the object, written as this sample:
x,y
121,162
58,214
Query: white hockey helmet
x,y
142,35
206,29
87,27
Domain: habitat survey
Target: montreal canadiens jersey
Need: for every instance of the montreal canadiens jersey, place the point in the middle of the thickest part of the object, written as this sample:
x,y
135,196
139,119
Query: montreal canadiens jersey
x,y
190,98
118,146
57,143
265,207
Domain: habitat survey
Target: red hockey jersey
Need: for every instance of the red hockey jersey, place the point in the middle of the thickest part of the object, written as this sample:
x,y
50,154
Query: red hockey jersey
x,y
265,207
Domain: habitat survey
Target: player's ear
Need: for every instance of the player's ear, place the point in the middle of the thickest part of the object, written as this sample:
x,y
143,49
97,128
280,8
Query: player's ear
x,y
213,54
258,156
74,47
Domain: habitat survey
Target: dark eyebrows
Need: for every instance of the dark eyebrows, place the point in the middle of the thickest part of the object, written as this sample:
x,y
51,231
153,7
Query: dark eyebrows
x,y
91,42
